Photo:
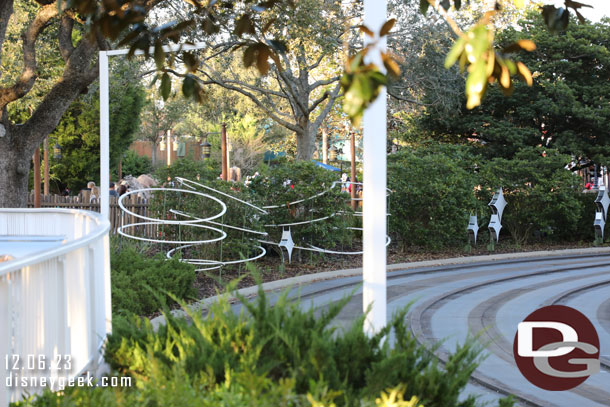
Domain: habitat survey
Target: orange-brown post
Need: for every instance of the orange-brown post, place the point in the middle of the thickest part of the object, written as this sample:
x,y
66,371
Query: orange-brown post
x,y
120,171
353,148
46,166
37,178
223,145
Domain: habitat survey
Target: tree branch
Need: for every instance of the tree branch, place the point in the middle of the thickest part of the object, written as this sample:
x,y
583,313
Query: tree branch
x,y
28,75
331,101
404,99
253,98
78,74
6,10
323,82
317,102
65,37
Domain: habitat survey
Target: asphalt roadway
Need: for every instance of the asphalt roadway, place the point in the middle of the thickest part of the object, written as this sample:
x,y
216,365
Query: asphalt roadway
x,y
488,295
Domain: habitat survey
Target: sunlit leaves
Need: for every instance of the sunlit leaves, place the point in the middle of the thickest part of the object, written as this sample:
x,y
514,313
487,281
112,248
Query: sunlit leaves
x,y
362,82
475,51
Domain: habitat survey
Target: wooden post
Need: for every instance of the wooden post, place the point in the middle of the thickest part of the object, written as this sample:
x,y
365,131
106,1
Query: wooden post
x,y
46,166
324,146
353,157
120,169
169,146
224,153
37,178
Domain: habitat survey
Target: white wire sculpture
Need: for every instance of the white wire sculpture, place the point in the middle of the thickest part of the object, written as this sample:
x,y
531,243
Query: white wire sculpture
x,y
473,225
602,202
184,219
497,205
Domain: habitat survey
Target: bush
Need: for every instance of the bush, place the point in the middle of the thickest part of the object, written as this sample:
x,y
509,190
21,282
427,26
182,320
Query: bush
x,y
432,195
543,199
135,165
189,168
285,344
299,180
143,285
307,180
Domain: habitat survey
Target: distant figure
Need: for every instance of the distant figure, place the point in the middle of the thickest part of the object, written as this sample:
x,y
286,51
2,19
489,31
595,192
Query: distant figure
x,y
235,174
66,192
112,191
95,192
588,186
344,184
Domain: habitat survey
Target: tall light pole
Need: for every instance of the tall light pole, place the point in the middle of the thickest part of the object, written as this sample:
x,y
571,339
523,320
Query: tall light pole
x,y
224,152
37,177
374,188
46,166
353,159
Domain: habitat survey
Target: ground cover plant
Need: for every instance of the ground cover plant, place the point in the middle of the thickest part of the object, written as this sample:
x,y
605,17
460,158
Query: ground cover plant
x,y
143,284
280,355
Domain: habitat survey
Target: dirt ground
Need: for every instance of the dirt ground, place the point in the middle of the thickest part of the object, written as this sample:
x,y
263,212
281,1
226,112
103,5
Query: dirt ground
x,y
271,267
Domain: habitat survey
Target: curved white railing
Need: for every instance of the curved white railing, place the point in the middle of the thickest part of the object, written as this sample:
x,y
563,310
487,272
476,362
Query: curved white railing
x,y
54,302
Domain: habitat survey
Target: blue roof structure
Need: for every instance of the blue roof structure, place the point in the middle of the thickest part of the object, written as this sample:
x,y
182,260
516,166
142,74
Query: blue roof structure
x,y
326,166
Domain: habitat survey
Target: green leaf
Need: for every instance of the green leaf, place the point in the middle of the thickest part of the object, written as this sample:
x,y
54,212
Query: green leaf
x,y
476,83
159,55
166,86
188,86
423,6
455,52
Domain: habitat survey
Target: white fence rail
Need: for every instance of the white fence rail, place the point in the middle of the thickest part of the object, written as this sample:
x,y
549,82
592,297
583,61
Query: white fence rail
x,y
54,300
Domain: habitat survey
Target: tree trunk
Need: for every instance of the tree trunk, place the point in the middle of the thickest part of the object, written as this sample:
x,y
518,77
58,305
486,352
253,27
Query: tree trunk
x,y
14,169
306,140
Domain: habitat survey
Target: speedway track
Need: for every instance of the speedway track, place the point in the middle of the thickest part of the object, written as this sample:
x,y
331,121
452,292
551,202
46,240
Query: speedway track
x,y
451,302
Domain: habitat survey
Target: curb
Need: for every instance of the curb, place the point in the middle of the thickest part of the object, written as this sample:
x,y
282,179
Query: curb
x,y
203,304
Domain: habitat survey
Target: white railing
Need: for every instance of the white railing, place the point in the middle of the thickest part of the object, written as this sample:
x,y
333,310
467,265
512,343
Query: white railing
x,y
54,302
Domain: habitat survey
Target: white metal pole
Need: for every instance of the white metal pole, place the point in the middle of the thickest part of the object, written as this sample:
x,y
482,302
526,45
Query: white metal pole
x,y
104,136
374,188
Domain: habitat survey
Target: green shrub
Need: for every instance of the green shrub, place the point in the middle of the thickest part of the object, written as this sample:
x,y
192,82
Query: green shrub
x,y
143,284
432,195
284,343
543,199
306,180
189,168
136,165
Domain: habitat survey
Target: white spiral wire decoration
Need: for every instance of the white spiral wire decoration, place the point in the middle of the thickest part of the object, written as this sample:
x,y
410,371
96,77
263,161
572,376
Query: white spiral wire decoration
x,y
191,220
